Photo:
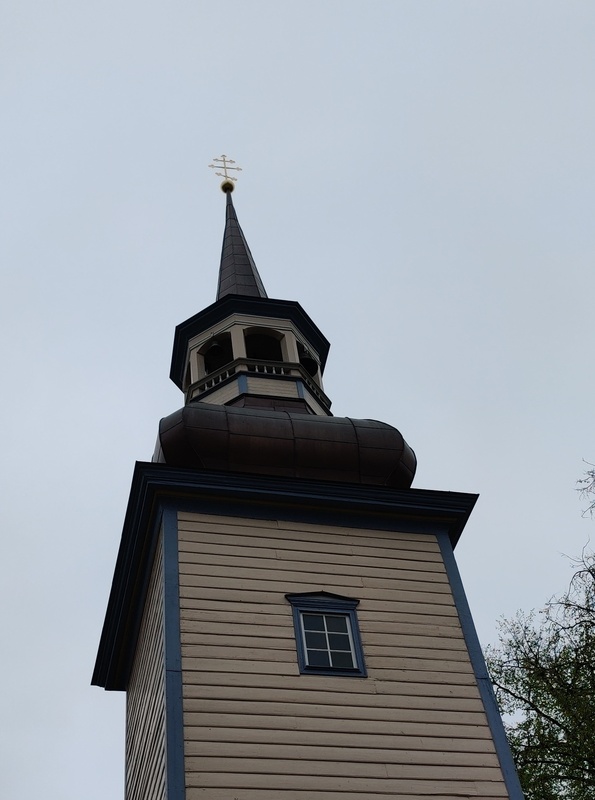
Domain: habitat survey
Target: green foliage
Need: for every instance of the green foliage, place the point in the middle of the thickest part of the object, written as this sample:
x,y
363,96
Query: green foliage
x,y
543,673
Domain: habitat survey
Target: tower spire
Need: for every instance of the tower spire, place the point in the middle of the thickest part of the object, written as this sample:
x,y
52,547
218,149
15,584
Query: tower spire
x,y
237,273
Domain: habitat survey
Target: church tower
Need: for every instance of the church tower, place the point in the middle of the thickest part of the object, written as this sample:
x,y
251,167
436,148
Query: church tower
x,y
286,615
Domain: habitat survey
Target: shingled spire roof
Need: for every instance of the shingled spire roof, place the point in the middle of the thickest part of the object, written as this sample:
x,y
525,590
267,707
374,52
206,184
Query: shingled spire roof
x,y
237,273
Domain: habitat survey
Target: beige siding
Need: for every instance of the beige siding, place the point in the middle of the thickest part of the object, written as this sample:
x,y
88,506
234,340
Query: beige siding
x,y
145,700
255,729
223,395
272,387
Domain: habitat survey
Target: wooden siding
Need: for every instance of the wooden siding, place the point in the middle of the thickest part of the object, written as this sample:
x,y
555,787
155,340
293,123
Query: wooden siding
x,y
224,394
145,699
255,729
271,387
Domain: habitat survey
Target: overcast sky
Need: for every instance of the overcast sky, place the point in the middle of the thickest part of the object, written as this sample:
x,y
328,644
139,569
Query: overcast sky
x,y
418,175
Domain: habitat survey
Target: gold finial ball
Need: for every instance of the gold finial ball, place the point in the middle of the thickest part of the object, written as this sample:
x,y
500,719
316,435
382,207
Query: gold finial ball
x,y
227,186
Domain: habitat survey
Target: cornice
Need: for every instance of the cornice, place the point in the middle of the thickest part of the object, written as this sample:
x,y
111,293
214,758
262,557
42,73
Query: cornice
x,y
157,487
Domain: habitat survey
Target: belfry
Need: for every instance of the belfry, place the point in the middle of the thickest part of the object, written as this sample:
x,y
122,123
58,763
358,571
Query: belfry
x,y
286,616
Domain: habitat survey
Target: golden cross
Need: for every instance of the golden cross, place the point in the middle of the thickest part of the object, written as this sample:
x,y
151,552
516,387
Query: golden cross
x,y
223,164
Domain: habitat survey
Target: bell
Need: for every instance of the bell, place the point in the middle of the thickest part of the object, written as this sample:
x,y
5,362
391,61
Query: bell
x,y
215,350
309,364
216,357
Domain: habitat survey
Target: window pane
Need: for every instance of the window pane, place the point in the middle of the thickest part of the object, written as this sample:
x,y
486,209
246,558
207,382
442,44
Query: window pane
x,y
337,624
316,640
313,622
342,660
339,641
318,658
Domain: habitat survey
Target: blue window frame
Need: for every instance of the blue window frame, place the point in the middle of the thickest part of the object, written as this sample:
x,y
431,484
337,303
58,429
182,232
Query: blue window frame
x,y
327,634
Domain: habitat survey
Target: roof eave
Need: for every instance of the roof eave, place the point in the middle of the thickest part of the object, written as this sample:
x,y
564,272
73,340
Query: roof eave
x,y
154,485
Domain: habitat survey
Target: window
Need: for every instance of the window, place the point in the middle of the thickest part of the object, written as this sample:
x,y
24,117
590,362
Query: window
x,y
326,633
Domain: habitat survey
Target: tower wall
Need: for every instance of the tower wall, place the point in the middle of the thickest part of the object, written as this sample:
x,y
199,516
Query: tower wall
x,y
145,697
254,727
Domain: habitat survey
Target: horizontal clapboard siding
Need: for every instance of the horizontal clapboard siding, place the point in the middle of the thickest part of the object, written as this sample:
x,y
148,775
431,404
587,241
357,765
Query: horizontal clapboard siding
x,y
145,700
254,727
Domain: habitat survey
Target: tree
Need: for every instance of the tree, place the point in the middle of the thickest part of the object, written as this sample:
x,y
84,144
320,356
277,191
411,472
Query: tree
x,y
543,673
586,486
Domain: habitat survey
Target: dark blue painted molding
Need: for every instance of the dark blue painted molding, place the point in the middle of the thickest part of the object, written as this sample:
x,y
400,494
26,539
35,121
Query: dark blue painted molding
x,y
352,505
481,671
174,718
125,606
242,382
242,507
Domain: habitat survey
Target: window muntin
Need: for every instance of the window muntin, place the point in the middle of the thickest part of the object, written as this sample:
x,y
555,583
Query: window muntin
x,y
327,634
327,640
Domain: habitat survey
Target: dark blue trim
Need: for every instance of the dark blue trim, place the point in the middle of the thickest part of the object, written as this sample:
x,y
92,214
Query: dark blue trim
x,y
174,718
314,515
242,382
481,671
136,618
126,604
352,505
326,603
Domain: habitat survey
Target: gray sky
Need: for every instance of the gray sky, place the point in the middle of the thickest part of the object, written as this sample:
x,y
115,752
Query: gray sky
x,y
418,175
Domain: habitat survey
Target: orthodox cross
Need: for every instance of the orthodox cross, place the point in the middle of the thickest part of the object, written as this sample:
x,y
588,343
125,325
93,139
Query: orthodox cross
x,y
223,163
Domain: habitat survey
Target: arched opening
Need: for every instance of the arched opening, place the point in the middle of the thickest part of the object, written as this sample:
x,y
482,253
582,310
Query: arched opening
x,y
263,346
307,361
217,353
